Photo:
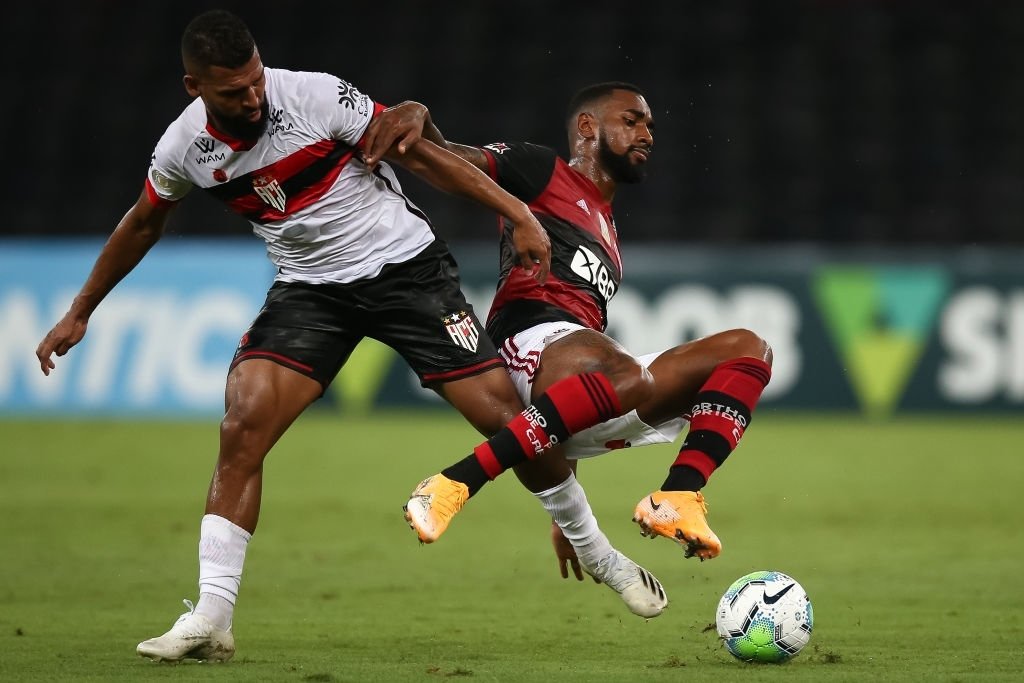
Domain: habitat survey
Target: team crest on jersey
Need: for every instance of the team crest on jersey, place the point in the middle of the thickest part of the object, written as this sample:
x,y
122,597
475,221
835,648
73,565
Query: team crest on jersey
x,y
462,329
269,190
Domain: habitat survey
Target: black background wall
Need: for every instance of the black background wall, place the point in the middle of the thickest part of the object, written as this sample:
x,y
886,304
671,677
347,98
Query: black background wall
x,y
832,120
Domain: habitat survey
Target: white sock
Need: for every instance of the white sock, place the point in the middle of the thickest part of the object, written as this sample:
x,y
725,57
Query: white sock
x,y
567,504
215,608
221,556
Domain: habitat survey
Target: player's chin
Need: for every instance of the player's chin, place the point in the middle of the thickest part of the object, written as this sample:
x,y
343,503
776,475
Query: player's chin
x,y
636,174
637,156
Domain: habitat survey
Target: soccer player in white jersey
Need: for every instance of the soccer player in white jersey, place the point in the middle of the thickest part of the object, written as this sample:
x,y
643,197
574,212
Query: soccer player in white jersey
x,y
355,258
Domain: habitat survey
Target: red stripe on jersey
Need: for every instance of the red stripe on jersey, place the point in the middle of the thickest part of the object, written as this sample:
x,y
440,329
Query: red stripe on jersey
x,y
253,207
285,168
317,190
377,109
559,199
236,144
520,285
154,198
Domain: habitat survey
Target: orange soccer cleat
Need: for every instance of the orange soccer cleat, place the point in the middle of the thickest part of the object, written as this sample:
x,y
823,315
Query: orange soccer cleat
x,y
433,504
679,515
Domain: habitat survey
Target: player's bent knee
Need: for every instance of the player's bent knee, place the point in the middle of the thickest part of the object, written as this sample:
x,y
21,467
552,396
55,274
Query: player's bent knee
x,y
744,342
633,383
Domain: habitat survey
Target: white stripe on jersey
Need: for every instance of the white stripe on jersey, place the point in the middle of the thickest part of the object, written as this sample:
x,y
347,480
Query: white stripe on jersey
x,y
358,224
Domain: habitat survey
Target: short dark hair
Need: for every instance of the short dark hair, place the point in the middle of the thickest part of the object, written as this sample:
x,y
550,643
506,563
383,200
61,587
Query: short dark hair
x,y
591,94
217,38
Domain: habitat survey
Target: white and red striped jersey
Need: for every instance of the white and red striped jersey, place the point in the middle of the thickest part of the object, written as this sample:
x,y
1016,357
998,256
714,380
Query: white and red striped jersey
x,y
302,185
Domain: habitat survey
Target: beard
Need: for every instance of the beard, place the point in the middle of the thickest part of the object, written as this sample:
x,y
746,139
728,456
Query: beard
x,y
244,129
619,166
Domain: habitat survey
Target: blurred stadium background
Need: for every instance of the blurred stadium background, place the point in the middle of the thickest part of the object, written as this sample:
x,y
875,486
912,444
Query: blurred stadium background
x,y
835,121
846,177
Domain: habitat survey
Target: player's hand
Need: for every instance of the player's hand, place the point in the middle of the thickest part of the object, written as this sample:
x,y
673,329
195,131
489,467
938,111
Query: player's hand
x,y
566,555
401,124
65,334
532,246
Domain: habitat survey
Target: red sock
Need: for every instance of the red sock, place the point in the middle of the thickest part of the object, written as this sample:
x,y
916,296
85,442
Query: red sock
x,y
718,419
568,406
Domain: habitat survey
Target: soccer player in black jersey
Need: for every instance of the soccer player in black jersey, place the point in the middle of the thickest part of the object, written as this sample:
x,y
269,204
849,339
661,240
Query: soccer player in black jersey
x,y
549,333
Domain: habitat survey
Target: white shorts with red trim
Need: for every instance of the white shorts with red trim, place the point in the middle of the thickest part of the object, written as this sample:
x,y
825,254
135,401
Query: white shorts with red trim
x,y
522,353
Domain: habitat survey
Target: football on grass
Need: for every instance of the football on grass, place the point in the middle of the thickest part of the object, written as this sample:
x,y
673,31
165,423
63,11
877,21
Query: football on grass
x,y
764,617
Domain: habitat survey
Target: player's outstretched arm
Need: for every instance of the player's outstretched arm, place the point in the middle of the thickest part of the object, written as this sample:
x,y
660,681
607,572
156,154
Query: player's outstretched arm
x,y
398,128
449,172
402,126
139,230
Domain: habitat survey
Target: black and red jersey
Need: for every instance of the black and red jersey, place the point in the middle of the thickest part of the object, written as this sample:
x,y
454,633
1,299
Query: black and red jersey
x,y
585,264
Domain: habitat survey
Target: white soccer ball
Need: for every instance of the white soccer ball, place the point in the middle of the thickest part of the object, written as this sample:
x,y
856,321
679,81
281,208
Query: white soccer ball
x,y
764,617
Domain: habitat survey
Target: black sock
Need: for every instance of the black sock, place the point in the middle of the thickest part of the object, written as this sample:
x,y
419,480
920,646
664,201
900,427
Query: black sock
x,y
683,478
469,472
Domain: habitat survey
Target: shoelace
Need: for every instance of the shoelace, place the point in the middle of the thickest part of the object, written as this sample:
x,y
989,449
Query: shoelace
x,y
191,610
700,501
609,570
450,501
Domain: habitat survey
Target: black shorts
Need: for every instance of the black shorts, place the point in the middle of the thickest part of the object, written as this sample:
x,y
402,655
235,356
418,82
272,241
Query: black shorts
x,y
416,307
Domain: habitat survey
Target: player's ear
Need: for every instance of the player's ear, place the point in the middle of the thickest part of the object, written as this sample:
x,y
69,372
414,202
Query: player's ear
x,y
586,125
191,85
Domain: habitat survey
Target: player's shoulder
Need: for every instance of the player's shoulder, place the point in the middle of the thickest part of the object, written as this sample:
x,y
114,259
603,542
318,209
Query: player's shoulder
x,y
522,168
522,157
520,150
301,85
312,91
183,132
296,80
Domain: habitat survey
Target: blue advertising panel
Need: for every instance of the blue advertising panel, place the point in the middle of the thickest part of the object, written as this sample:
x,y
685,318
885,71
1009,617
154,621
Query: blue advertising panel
x,y
159,344
873,331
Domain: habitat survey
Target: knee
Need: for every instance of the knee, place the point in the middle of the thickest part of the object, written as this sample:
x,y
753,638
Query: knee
x,y
632,382
742,342
241,436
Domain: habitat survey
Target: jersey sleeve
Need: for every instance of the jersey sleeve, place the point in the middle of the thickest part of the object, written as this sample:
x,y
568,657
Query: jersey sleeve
x,y
165,179
521,168
345,111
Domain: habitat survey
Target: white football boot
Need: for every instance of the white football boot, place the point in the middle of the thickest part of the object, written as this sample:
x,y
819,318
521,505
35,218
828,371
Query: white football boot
x,y
642,593
191,637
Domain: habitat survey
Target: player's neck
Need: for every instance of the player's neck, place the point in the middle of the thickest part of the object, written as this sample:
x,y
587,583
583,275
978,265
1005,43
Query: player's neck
x,y
595,174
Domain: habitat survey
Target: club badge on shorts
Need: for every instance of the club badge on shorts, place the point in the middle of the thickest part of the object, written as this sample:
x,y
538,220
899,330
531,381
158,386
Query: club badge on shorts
x,y
462,329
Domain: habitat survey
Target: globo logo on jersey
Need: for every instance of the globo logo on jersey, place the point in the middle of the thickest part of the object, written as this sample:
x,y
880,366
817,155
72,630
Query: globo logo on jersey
x,y
586,264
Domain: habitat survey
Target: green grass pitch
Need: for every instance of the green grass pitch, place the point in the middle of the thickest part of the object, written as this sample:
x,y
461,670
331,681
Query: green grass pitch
x,y
904,533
